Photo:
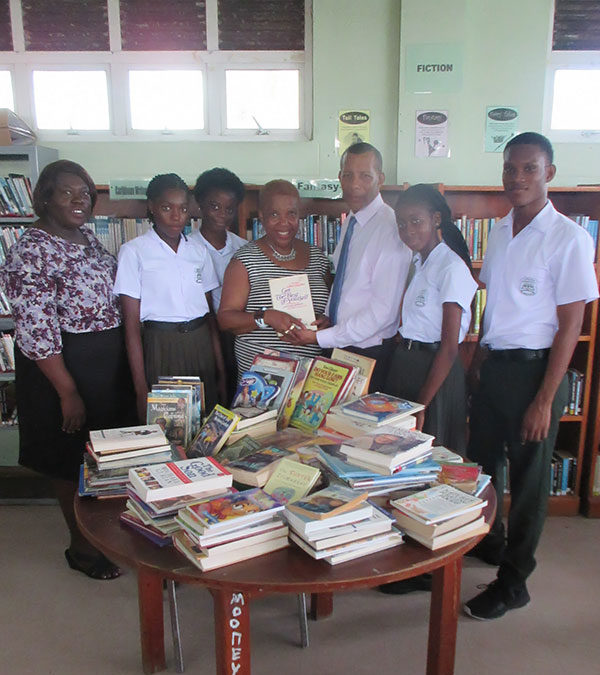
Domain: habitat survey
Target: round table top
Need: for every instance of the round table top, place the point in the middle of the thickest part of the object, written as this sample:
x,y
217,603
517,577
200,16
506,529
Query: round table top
x,y
287,570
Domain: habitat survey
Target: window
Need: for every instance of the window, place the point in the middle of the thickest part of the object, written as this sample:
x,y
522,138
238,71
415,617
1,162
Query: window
x,y
572,95
166,99
6,92
225,69
71,100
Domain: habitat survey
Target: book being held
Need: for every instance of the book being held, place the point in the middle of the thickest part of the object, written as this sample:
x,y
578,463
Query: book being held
x,y
292,295
173,479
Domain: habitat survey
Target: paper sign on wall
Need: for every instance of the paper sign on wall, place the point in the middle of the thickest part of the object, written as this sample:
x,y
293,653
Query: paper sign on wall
x,y
431,134
501,124
354,126
433,68
318,188
127,189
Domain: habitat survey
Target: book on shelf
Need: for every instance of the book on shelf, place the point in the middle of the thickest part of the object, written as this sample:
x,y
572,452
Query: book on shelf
x,y
233,511
15,197
107,441
327,383
291,481
7,352
388,447
331,501
213,434
195,555
438,503
378,408
175,479
256,468
292,295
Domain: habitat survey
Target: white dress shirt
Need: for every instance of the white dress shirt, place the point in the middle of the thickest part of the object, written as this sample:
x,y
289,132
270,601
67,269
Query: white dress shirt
x,y
378,262
549,263
170,285
444,277
220,258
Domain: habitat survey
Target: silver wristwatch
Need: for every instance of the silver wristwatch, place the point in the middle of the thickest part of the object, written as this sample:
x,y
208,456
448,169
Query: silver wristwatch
x,y
259,319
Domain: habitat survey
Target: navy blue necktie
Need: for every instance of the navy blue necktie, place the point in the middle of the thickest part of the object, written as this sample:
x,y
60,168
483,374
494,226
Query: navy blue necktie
x,y
336,291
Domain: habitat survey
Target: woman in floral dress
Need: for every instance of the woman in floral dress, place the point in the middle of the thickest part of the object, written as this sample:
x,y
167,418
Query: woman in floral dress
x,y
71,368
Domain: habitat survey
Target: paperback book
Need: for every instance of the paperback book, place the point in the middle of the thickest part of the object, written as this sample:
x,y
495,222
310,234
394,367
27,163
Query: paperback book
x,y
379,408
292,295
105,441
214,432
257,468
291,480
331,501
438,503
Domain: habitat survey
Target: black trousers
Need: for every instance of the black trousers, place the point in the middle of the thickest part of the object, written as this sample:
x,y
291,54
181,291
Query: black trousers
x,y
382,354
506,390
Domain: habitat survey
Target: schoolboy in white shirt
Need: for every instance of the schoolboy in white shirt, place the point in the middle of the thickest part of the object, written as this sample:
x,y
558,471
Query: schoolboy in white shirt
x,y
539,274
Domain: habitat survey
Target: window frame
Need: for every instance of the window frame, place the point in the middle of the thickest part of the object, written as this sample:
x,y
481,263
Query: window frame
x,y
117,63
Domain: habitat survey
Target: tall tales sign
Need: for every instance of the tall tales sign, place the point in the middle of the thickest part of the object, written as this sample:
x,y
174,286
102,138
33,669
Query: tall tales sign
x,y
501,124
354,126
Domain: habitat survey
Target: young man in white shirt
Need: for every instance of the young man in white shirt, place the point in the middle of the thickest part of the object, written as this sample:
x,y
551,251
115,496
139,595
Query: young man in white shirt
x,y
364,310
539,274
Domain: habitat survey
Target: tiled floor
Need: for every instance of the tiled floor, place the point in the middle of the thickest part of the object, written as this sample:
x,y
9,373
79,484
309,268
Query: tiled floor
x,y
54,621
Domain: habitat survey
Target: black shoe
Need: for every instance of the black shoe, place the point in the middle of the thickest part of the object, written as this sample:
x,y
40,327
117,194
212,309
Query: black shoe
x,y
492,555
495,601
420,583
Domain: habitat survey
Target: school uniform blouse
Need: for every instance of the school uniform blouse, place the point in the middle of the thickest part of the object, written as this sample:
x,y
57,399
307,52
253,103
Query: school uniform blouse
x,y
171,285
549,263
57,286
444,277
220,258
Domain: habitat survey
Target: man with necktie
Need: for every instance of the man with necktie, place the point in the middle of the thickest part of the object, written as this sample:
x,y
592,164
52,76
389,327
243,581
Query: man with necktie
x,y
371,264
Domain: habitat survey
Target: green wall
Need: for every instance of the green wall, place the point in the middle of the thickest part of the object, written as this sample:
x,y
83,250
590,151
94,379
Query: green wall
x,y
358,46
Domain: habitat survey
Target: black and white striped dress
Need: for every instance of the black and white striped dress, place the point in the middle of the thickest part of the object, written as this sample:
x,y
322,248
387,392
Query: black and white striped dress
x,y
260,269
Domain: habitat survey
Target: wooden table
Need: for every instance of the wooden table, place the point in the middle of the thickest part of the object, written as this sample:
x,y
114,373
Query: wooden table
x,y
287,571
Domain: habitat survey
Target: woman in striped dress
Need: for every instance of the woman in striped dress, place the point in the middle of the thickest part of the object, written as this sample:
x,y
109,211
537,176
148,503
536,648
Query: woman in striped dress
x,y
246,306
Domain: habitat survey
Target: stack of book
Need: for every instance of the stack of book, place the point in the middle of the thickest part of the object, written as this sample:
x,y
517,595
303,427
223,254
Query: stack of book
x,y
337,525
230,528
440,516
370,412
157,491
254,422
112,452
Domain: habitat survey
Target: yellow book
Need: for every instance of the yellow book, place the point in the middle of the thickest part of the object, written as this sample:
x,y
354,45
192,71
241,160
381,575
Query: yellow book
x,y
291,481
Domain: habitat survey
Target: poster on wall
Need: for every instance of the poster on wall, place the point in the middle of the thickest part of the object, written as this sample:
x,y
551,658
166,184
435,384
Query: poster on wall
x,y
354,126
501,124
431,134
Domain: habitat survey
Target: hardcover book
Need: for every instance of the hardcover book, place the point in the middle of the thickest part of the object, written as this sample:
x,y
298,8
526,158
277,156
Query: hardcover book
x,y
326,382
291,480
214,432
174,479
105,441
292,295
379,408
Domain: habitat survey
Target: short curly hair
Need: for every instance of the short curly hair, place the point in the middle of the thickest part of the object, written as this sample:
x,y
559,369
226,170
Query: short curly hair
x,y
219,179
46,183
163,182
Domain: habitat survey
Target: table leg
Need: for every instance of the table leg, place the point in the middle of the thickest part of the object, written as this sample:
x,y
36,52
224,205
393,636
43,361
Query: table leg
x,y
321,605
443,619
150,598
232,632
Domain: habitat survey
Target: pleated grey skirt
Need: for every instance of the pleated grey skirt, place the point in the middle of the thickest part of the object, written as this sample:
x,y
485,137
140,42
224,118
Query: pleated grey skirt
x,y
446,415
173,353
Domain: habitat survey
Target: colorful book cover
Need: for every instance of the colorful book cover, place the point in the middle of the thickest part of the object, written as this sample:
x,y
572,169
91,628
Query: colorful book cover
x,y
276,377
291,480
237,506
321,390
291,295
214,432
253,390
172,412
194,384
260,459
172,479
437,503
328,502
380,408
388,441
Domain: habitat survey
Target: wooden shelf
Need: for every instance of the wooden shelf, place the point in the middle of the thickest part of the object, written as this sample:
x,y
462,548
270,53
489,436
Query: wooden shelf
x,y
558,505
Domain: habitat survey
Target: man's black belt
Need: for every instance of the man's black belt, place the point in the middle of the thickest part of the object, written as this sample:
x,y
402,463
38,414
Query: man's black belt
x,y
177,326
518,354
414,345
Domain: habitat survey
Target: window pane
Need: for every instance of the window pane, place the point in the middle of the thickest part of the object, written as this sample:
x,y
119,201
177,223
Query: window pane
x,y
6,92
71,99
576,102
269,98
166,99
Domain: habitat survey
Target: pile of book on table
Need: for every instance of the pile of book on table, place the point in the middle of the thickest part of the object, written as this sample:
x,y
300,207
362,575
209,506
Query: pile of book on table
x,y
440,516
110,453
158,491
336,525
230,528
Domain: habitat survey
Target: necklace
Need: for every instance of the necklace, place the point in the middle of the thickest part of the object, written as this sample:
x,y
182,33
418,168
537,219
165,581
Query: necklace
x,y
283,257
